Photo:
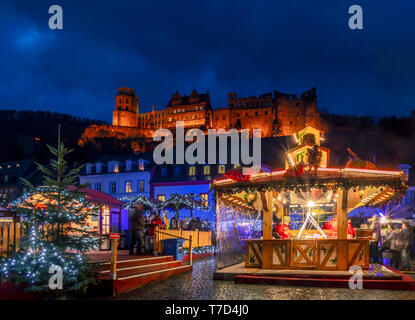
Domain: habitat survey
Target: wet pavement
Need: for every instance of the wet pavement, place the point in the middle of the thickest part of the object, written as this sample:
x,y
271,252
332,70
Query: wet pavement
x,y
199,285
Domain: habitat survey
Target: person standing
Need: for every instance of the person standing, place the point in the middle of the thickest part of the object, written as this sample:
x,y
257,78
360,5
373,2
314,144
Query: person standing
x,y
405,243
394,248
376,226
134,219
284,228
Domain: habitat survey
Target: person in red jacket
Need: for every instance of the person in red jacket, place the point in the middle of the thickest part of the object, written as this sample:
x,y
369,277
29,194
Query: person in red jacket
x,y
155,220
350,230
284,228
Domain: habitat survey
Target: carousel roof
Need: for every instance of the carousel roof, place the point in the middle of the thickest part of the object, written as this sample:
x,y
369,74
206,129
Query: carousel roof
x,y
324,178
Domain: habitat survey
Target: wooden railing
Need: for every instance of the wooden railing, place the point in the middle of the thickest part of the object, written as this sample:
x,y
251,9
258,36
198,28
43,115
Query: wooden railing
x,y
10,234
200,238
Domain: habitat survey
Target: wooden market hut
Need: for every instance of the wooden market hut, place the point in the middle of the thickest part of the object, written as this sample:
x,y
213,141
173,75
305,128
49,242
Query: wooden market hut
x,y
313,194
108,221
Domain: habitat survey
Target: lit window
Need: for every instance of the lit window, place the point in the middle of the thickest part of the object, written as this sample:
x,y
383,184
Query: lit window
x,y
116,168
206,170
128,187
192,171
237,165
141,165
140,186
204,198
161,197
17,165
221,168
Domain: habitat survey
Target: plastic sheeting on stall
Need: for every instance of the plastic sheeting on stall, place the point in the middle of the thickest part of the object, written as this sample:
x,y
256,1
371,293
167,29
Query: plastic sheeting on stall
x,y
234,224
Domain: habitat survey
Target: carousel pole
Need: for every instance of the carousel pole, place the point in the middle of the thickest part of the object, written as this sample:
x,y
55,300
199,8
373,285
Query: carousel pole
x,y
342,249
267,230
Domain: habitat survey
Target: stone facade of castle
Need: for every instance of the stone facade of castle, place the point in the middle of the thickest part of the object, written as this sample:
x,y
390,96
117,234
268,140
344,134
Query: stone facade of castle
x,y
275,113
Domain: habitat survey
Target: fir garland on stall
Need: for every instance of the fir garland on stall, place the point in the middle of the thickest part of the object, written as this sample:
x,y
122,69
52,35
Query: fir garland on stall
x,y
53,219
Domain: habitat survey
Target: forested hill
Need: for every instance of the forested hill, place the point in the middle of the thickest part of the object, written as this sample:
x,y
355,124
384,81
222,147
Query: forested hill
x,y
25,134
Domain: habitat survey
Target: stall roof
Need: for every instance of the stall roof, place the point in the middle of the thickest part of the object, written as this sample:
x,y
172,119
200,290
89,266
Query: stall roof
x,y
98,197
330,178
147,202
93,196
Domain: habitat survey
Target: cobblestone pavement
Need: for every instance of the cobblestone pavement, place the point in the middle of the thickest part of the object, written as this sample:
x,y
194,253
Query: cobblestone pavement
x,y
199,285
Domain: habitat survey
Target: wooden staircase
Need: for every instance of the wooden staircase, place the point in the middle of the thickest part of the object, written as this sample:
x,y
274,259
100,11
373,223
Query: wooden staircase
x,y
136,271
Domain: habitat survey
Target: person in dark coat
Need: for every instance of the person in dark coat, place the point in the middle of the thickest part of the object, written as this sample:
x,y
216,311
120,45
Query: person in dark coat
x,y
404,243
394,248
135,216
374,251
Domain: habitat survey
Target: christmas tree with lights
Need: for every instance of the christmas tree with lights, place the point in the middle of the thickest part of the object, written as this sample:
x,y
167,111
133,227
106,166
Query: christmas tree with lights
x,y
53,218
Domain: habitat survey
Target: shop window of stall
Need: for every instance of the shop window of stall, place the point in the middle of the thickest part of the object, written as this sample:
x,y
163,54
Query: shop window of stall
x,y
105,220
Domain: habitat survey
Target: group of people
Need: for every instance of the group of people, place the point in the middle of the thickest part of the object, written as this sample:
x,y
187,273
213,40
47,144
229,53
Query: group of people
x,y
142,228
142,231
396,239
192,224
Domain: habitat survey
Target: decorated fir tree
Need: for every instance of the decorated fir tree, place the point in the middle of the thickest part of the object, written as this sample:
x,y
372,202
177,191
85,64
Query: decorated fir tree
x,y
53,218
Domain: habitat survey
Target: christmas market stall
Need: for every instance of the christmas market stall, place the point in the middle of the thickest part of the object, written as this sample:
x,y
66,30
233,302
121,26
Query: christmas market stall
x,y
297,218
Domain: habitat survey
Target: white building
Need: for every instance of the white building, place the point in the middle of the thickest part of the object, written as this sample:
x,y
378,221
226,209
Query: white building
x,y
122,179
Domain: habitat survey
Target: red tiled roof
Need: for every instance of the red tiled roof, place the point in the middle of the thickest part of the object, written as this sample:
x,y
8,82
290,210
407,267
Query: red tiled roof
x,y
99,197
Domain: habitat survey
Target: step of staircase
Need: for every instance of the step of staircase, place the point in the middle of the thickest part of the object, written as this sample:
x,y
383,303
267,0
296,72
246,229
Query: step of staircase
x,y
138,269
127,283
134,272
134,262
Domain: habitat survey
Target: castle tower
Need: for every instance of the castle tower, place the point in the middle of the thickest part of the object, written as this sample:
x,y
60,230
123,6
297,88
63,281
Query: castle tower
x,y
126,110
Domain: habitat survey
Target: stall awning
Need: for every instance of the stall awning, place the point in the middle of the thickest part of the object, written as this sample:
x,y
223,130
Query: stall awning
x,y
330,178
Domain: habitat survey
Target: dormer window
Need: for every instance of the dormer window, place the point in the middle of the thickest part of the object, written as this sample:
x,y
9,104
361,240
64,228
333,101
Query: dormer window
x,y
129,165
88,168
141,165
98,167
116,168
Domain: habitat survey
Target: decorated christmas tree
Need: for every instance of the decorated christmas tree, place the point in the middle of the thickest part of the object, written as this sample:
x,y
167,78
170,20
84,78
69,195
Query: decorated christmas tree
x,y
53,218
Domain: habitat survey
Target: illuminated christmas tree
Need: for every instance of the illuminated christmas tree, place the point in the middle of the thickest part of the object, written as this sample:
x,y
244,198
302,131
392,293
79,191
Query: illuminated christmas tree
x,y
53,218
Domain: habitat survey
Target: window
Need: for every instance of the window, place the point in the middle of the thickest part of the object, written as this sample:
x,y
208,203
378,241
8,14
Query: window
x,y
140,185
128,187
113,187
204,198
221,168
192,171
177,171
161,197
206,170
164,172
141,165
97,186
236,165
105,220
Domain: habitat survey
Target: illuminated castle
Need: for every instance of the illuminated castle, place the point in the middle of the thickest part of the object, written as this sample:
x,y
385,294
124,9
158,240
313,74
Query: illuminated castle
x,y
275,113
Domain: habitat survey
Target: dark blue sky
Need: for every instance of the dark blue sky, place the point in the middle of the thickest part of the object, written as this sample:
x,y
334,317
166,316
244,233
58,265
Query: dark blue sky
x,y
250,47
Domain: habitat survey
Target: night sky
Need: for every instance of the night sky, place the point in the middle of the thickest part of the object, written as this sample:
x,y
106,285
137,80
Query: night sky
x,y
249,47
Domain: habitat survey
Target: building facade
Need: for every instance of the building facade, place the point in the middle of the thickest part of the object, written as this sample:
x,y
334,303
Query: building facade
x,y
122,179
